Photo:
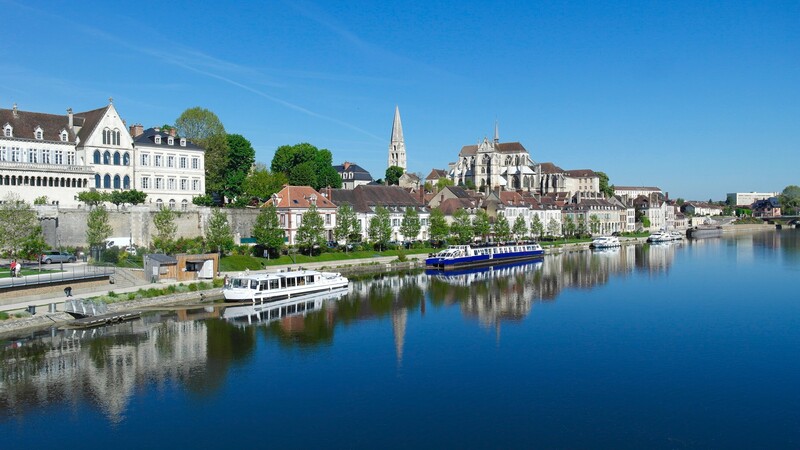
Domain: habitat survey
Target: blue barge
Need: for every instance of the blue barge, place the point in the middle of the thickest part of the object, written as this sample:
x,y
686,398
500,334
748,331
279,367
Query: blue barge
x,y
464,256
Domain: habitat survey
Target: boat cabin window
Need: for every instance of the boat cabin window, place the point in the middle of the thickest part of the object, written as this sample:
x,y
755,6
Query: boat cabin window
x,y
240,283
291,282
274,283
301,281
262,286
310,279
253,284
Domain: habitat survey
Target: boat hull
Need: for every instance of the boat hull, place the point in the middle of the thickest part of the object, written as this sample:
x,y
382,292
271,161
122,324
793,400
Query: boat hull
x,y
699,233
481,260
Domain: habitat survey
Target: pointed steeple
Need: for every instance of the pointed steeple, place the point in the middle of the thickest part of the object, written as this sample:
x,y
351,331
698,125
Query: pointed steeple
x,y
397,147
496,133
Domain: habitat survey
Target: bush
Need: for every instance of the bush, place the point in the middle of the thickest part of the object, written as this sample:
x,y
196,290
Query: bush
x,y
131,296
3,315
192,287
401,256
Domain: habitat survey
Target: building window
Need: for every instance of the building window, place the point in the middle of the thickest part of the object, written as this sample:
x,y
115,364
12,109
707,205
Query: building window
x,y
146,183
96,157
106,136
59,157
157,160
97,181
64,136
8,131
116,158
327,219
126,159
172,203
70,158
170,161
170,141
157,139
283,220
145,159
183,162
195,185
45,156
126,182
195,163
116,137
107,181
159,203
159,183
184,184
184,205
171,184
116,182
32,156
183,142
107,157
297,219
39,134
16,154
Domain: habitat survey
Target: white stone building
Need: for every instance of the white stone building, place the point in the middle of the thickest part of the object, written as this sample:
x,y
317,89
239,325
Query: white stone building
x,y
748,198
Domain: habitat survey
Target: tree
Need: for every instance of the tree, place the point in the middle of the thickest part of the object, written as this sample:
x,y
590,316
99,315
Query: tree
x,y
380,228
240,159
347,225
481,224
520,229
164,221
502,231
679,201
410,226
594,223
268,232
569,226
93,198
790,199
552,227
582,229
310,233
393,174
462,228
438,226
203,200
218,232
98,229
605,188
537,227
262,183
41,200
442,183
132,196
18,223
33,245
306,165
204,128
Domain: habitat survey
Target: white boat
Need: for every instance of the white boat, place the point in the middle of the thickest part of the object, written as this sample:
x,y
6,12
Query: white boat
x,y
275,286
664,236
605,242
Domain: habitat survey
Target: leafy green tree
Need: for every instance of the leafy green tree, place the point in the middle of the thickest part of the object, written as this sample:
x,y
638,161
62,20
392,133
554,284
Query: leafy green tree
x,y
537,227
268,232
98,228
18,223
42,200
93,198
241,157
582,228
131,196
679,201
481,224
502,230
462,228
204,128
605,188
380,228
166,228
262,183
439,230
410,226
311,231
305,165
594,223
520,229
569,226
790,199
442,183
393,174
203,200
347,226
34,244
552,227
218,232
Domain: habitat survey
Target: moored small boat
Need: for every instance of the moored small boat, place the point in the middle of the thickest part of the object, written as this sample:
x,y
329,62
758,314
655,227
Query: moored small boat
x,y
274,286
461,256
605,242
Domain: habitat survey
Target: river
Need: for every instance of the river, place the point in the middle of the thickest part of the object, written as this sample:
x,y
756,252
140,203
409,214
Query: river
x,y
689,345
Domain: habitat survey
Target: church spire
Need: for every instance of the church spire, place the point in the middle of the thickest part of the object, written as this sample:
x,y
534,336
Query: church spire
x,y
397,147
496,133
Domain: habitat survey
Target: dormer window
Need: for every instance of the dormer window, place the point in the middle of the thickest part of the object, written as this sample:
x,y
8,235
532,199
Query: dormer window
x,y
170,141
158,139
38,133
64,136
8,131
183,142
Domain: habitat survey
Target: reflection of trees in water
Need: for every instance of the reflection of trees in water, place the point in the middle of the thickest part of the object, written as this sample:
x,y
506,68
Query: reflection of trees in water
x,y
310,330
226,345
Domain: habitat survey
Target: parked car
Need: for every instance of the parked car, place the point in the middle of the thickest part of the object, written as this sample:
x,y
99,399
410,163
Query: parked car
x,y
57,257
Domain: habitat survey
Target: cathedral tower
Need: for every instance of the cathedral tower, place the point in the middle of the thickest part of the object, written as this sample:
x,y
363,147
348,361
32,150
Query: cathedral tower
x,y
397,148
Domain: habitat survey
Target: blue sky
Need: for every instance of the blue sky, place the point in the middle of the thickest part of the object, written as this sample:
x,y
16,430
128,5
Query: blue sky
x,y
698,98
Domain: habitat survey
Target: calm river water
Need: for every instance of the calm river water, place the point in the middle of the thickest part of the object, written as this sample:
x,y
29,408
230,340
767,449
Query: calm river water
x,y
693,345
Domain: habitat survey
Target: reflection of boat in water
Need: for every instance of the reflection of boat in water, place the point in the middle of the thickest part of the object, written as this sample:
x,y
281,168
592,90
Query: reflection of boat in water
x,y
274,286
469,276
266,312
462,256
606,250
605,242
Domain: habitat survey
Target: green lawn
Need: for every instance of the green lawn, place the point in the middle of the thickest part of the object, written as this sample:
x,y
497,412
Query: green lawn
x,y
235,263
6,272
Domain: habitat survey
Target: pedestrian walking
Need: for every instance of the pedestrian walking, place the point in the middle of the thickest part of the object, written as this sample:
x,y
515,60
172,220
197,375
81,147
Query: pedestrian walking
x,y
13,266
19,270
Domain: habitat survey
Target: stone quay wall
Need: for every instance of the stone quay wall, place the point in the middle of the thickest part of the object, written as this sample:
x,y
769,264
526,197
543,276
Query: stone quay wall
x,y
66,227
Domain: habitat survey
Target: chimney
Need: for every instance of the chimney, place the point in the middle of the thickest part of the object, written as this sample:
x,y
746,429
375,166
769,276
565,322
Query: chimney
x,y
15,112
69,118
136,130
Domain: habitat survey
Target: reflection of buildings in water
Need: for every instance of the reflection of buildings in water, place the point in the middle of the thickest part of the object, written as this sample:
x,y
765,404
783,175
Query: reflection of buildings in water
x,y
399,320
659,256
103,366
